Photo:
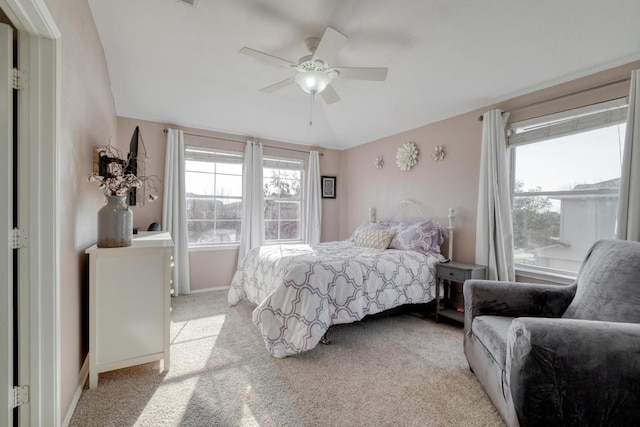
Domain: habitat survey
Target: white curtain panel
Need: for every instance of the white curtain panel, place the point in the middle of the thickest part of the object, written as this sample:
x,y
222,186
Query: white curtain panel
x,y
314,200
174,211
252,233
628,224
494,229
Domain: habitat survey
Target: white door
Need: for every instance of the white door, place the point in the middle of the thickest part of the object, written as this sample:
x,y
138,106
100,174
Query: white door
x,y
6,225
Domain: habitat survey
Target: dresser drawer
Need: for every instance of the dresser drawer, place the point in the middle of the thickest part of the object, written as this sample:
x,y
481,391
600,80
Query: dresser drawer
x,y
451,273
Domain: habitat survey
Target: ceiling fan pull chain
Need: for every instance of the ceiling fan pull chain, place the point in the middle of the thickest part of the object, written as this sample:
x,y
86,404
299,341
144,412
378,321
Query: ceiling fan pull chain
x,y
311,110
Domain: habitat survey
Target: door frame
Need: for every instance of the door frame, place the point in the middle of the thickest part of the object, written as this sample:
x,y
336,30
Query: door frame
x,y
38,136
7,358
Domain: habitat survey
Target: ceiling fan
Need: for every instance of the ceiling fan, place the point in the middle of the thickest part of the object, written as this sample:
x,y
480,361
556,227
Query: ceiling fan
x,y
314,72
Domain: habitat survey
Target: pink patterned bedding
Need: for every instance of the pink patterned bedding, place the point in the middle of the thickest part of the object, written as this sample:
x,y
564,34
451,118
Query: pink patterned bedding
x,y
302,290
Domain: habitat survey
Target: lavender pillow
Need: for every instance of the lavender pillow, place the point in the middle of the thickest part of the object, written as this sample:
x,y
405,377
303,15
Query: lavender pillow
x,y
424,237
367,225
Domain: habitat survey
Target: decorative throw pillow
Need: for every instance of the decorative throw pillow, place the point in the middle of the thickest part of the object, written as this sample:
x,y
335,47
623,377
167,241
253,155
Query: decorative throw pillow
x,y
375,238
424,237
367,225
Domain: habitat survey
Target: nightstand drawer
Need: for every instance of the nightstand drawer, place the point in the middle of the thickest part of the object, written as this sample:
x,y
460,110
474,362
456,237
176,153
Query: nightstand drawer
x,y
450,273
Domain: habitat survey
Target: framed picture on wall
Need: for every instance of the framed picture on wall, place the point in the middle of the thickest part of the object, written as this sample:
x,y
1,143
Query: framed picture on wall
x,y
328,187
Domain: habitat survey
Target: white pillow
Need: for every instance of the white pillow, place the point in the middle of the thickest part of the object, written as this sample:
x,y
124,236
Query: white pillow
x,y
365,225
375,238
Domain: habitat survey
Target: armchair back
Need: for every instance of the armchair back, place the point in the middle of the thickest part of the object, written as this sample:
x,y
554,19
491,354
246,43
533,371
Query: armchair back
x,y
608,283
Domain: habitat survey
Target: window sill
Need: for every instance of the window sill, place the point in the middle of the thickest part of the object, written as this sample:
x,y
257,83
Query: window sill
x,y
561,279
283,242
209,248
236,246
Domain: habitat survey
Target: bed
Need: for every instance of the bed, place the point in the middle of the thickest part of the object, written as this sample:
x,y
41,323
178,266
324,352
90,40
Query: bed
x,y
301,290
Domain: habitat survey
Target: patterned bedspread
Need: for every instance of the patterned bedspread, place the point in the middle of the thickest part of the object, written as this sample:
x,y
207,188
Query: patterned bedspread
x,y
302,290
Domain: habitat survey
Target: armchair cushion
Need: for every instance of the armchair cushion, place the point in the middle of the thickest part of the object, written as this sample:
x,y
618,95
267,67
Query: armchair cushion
x,y
491,332
514,299
609,284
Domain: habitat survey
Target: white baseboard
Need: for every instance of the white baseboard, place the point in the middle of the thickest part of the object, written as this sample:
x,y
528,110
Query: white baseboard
x,y
216,288
82,379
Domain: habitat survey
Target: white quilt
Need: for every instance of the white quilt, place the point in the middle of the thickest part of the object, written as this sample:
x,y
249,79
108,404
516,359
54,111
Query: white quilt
x,y
302,290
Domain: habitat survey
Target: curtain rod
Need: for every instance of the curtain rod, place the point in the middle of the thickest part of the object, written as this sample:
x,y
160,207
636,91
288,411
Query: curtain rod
x,y
242,142
566,95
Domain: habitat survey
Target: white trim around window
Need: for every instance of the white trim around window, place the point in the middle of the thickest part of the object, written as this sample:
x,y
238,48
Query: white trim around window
x,y
568,122
285,164
564,185
215,202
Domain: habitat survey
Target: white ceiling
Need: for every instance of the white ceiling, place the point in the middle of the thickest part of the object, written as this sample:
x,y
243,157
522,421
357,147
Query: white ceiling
x,y
172,63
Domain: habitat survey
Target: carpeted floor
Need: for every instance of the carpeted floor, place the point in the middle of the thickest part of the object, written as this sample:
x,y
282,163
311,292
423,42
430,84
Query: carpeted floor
x,y
397,370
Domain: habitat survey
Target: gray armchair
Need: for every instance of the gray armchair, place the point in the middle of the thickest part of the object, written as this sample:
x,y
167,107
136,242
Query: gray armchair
x,y
551,355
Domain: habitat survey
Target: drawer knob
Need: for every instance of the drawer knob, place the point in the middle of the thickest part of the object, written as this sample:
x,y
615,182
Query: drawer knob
x,y
451,273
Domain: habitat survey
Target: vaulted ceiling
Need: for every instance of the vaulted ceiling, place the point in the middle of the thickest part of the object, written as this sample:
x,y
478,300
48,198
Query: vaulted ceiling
x,y
174,63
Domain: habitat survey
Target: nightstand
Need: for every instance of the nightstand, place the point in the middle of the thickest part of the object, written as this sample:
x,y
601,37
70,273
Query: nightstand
x,y
451,277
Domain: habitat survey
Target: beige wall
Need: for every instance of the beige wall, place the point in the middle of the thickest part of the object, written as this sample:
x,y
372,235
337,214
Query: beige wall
x,y
454,181
215,268
330,166
437,186
155,142
87,118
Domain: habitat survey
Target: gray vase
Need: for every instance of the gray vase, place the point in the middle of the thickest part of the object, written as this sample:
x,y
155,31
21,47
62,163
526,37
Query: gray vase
x,y
115,223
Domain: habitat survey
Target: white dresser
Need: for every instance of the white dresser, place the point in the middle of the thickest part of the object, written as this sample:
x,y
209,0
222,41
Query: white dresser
x,y
129,304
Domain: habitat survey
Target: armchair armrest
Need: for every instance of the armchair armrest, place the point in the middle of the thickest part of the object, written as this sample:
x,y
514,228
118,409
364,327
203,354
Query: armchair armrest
x,y
574,372
514,299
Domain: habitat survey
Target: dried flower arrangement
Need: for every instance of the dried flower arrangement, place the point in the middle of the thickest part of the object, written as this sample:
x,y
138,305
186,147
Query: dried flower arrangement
x,y
117,179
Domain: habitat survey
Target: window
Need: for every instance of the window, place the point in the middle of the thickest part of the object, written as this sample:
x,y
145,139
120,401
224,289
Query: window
x,y
282,198
213,184
565,185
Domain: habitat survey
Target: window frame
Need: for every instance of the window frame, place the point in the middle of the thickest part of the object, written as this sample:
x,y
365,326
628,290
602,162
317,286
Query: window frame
x,y
272,162
548,127
207,154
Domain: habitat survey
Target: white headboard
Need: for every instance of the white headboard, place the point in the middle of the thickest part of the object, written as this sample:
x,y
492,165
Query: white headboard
x,y
409,211
406,211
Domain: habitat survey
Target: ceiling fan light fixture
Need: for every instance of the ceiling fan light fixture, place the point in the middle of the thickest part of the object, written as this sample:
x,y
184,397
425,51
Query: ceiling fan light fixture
x,y
313,81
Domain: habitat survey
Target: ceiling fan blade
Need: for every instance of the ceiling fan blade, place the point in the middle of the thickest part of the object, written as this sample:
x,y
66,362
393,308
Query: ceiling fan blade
x,y
331,41
274,87
266,57
329,95
359,73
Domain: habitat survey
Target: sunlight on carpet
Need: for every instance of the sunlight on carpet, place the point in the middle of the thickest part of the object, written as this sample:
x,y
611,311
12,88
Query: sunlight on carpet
x,y
248,420
393,370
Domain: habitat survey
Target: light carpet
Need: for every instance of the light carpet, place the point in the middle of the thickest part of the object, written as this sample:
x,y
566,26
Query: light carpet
x,y
396,370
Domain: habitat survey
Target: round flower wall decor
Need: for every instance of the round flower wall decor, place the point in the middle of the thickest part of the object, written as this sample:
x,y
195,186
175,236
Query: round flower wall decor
x,y
379,162
407,156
